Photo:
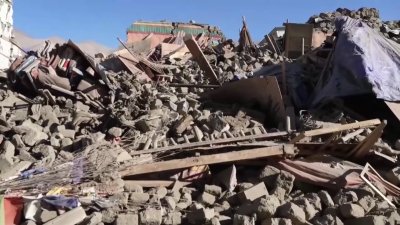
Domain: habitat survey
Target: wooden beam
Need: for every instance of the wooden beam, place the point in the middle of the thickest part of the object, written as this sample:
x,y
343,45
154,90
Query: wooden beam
x,y
329,130
200,58
155,183
207,160
211,142
364,146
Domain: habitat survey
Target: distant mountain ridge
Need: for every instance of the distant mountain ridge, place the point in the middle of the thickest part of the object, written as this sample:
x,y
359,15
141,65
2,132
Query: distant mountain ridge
x,y
28,43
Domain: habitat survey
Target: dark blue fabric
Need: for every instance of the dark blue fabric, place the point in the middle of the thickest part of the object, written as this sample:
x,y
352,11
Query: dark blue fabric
x,y
61,202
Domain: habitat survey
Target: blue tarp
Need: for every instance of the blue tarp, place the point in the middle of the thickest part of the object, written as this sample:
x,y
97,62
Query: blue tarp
x,y
364,61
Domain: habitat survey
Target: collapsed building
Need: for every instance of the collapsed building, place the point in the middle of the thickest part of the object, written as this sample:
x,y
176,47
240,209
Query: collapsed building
x,y
189,132
143,34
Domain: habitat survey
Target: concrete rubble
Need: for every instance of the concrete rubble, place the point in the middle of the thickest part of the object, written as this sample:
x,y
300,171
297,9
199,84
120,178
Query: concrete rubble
x,y
152,140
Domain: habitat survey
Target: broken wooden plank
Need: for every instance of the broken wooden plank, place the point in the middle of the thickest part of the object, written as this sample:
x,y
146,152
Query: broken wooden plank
x,y
363,177
364,146
141,59
386,157
201,59
335,149
351,135
156,183
329,130
211,142
207,160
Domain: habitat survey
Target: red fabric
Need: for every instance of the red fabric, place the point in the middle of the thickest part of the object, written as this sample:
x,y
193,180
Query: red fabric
x,y
13,210
331,172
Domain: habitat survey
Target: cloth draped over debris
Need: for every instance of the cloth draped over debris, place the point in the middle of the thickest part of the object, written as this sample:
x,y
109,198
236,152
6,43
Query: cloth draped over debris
x,y
362,59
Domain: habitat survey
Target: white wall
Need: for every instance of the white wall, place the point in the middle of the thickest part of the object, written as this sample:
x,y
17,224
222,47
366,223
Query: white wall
x,y
7,51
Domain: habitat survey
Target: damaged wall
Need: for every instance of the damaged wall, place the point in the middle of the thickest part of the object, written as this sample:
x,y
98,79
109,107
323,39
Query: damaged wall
x,y
7,52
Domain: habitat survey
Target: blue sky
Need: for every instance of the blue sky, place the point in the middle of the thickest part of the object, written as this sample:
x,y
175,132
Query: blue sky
x,y
104,20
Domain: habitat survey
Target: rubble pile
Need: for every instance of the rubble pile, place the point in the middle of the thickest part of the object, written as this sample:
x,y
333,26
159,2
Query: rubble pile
x,y
227,61
326,21
202,134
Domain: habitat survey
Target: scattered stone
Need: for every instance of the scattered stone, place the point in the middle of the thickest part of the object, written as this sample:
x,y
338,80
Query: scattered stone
x,y
243,220
7,151
285,181
213,189
350,211
326,199
151,216
291,211
183,124
267,207
307,207
280,193
393,217
115,132
123,156
161,192
200,216
276,221
381,207
71,217
139,198
215,221
32,137
207,199
94,219
327,220
173,218
170,202
47,215
129,187
314,200
251,194
17,141
127,219
345,197
368,220
244,186
367,202
269,175
67,133
29,222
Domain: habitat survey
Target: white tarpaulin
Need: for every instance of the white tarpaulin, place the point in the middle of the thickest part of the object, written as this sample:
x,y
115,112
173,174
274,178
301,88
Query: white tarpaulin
x,y
364,61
